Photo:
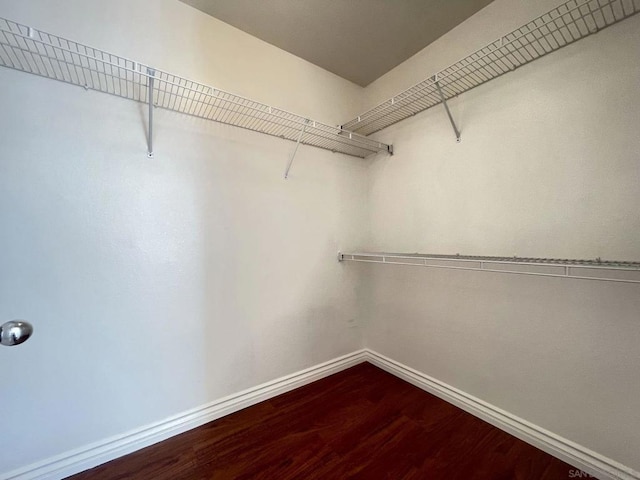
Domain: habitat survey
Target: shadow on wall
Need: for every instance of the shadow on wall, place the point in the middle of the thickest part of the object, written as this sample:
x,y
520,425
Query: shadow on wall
x,y
271,297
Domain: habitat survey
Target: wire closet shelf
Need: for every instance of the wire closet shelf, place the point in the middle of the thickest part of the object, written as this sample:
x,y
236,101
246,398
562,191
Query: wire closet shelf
x,y
28,50
613,271
555,29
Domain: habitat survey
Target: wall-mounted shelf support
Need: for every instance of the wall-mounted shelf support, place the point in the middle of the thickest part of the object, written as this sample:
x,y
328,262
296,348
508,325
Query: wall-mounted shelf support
x,y
151,72
446,107
295,150
611,271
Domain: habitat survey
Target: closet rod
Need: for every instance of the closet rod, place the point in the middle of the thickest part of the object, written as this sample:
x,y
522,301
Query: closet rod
x,y
610,271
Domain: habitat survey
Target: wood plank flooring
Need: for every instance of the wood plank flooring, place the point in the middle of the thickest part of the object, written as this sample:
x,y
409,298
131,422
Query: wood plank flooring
x,y
362,423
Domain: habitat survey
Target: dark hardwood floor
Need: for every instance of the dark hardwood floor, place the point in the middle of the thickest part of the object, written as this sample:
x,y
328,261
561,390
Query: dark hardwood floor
x,y
362,423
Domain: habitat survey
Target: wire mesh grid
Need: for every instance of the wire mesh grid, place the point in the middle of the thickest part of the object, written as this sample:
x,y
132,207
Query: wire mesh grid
x,y
28,50
40,53
597,269
185,96
555,29
592,263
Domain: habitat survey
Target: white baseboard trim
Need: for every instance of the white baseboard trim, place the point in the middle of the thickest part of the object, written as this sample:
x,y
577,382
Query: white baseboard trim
x,y
566,450
95,454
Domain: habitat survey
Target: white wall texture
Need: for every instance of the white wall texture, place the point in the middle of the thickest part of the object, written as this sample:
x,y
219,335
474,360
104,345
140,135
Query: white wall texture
x,y
548,167
159,285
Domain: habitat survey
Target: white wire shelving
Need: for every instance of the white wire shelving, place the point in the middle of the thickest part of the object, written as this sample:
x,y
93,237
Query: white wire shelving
x,y
562,26
29,50
612,271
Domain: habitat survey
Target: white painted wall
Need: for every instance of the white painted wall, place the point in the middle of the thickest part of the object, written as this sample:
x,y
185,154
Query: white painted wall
x,y
548,167
156,286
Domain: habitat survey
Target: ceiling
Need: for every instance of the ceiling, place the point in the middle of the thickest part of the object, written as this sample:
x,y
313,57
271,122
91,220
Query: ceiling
x,y
359,40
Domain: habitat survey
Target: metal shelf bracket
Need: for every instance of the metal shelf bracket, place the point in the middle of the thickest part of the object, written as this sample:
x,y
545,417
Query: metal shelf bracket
x,y
151,72
446,107
295,150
